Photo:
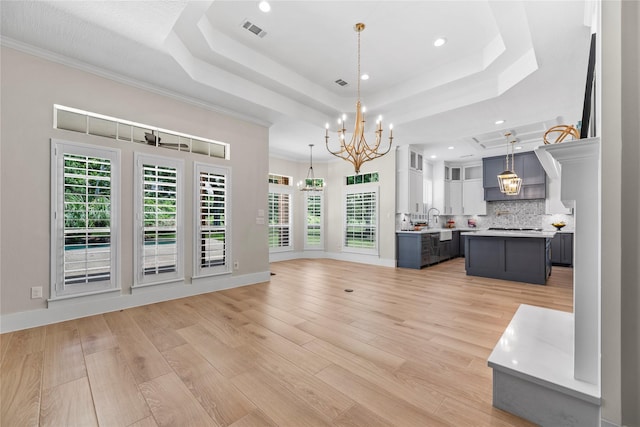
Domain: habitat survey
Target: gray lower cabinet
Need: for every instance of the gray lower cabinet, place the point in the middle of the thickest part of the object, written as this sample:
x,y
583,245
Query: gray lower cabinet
x,y
562,249
455,244
522,259
417,250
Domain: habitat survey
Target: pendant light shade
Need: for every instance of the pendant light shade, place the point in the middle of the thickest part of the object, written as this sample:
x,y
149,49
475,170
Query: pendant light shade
x,y
508,180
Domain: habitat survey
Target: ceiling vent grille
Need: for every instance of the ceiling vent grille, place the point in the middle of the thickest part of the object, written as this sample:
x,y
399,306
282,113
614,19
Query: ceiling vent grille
x,y
341,82
249,26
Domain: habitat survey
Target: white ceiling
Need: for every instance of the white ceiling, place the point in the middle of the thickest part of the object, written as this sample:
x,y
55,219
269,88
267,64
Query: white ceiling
x,y
520,61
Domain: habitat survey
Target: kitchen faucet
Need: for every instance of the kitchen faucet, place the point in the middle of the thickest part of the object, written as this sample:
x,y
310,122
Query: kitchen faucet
x,y
429,215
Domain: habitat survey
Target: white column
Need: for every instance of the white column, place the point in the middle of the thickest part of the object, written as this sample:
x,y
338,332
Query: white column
x,y
577,164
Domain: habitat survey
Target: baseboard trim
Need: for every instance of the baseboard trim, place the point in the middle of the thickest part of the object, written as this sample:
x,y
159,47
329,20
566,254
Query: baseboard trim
x,y
339,256
33,318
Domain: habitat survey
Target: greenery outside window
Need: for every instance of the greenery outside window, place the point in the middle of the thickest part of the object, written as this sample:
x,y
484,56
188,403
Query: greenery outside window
x,y
85,219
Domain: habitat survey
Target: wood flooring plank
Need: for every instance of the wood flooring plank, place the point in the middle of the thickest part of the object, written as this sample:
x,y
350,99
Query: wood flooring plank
x,y
22,343
274,312
378,401
172,404
117,398
359,416
313,392
20,386
215,393
279,327
4,345
145,422
464,416
426,398
255,418
156,327
281,405
227,360
142,357
369,352
63,358
69,404
95,334
295,354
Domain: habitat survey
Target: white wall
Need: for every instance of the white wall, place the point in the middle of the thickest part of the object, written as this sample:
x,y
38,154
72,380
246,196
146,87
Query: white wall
x,y
30,87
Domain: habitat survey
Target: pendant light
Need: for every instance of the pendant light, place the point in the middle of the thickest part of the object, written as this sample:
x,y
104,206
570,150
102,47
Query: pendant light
x,y
508,180
311,183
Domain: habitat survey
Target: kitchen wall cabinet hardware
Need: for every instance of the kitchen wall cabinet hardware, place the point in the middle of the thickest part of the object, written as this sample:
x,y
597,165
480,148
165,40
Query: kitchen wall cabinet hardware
x,y
527,166
562,249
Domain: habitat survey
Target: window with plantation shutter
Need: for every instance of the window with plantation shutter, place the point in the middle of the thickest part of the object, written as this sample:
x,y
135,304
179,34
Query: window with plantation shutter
x,y
158,235
361,220
280,221
314,233
212,222
84,199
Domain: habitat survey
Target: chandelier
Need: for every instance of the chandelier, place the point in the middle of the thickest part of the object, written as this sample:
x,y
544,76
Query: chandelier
x,y
508,180
358,150
311,183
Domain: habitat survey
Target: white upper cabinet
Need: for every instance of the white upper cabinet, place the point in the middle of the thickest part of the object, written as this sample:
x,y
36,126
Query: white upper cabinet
x,y
409,180
463,191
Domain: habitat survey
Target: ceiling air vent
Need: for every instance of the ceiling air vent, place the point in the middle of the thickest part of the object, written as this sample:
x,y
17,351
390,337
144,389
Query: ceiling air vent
x,y
341,82
247,25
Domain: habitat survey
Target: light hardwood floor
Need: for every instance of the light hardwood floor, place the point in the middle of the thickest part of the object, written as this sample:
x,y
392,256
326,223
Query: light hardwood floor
x,y
405,348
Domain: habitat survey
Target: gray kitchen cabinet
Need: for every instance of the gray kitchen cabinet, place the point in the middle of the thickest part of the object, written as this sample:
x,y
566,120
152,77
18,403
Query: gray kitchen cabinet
x,y
444,248
417,250
527,167
562,249
455,244
522,259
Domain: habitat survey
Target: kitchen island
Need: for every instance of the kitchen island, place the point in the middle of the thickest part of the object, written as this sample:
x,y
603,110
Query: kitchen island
x,y
522,256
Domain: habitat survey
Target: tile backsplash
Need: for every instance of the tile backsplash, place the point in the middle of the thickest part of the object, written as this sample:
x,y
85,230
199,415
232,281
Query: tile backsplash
x,y
513,214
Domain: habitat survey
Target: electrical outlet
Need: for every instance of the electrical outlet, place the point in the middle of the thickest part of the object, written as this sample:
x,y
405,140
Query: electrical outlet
x,y
36,292
236,265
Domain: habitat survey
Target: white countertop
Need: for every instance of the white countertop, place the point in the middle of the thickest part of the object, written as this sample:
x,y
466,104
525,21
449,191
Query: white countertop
x,y
512,233
435,230
538,344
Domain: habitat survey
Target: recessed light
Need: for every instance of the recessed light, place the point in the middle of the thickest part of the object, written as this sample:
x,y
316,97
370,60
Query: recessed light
x,y
364,77
451,147
264,6
499,122
518,148
433,156
439,42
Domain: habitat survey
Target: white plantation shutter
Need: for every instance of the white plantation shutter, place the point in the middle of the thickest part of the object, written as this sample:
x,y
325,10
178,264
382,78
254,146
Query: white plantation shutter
x,y
280,221
212,222
84,219
314,232
361,220
159,220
